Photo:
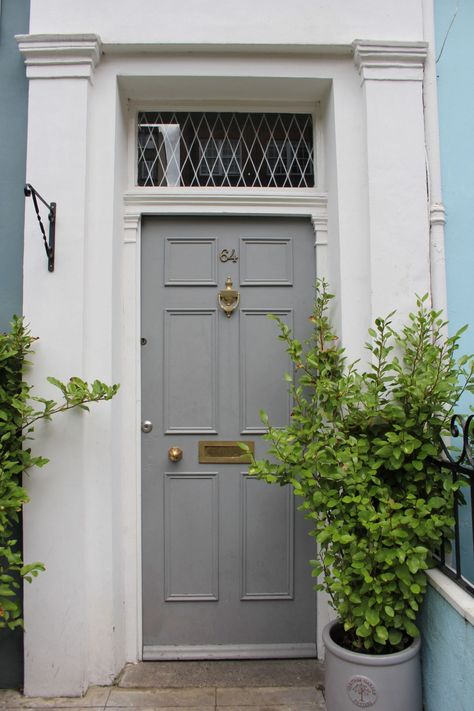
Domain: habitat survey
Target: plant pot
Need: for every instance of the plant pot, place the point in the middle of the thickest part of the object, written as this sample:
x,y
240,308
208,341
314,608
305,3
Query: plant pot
x,y
384,682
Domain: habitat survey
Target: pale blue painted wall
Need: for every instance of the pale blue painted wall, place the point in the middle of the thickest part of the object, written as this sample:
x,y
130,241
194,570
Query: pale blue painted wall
x,y
448,639
14,19
455,69
448,657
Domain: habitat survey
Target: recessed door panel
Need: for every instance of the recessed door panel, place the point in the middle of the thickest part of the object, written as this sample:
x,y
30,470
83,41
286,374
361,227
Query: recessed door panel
x,y
263,363
225,556
191,515
190,262
267,540
266,262
190,370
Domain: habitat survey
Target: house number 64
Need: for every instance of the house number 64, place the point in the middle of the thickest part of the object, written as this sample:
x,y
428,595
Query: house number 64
x,y
226,256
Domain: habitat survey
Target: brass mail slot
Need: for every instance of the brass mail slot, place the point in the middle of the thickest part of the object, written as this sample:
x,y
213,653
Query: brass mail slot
x,y
215,452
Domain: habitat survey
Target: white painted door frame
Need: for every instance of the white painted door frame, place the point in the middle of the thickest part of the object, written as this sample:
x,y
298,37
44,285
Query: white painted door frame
x,y
182,202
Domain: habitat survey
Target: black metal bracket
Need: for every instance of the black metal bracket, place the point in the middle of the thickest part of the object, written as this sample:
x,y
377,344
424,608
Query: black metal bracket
x,y
49,244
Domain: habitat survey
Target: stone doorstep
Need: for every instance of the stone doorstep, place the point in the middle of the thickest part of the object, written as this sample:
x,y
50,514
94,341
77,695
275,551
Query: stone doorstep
x,y
248,673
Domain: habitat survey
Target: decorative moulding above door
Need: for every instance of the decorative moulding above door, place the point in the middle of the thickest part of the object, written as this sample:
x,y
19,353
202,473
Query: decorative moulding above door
x,y
385,61
54,56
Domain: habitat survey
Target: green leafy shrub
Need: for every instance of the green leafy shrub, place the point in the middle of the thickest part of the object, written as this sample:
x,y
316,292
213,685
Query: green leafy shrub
x,y
359,450
19,410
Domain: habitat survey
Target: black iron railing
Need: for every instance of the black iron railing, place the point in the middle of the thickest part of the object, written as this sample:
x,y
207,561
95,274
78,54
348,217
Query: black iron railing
x,y
458,458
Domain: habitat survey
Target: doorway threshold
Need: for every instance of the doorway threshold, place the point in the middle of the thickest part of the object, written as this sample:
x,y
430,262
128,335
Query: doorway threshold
x,y
223,673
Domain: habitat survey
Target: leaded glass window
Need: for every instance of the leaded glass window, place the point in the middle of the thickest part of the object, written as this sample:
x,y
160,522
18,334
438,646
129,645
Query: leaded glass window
x,y
225,149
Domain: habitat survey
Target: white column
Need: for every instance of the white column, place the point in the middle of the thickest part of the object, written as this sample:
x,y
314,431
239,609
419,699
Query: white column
x,y
437,211
56,615
391,80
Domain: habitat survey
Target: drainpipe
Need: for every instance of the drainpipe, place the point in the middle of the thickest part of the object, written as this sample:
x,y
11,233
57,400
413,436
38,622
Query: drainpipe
x,y
436,209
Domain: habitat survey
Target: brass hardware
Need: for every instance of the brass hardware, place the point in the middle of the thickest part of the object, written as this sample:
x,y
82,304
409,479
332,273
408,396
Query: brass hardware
x,y
228,298
175,454
228,256
215,452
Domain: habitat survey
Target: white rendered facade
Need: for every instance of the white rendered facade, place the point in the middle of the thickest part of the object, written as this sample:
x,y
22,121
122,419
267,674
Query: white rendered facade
x,y
91,66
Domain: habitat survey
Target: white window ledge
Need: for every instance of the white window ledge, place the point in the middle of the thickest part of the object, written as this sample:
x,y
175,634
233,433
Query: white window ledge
x,y
452,593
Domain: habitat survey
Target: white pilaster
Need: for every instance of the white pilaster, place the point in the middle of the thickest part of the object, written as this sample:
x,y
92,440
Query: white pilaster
x,y
391,79
433,158
56,615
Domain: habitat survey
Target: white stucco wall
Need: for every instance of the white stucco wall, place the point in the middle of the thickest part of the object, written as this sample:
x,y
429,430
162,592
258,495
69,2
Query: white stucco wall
x,y
312,22
371,224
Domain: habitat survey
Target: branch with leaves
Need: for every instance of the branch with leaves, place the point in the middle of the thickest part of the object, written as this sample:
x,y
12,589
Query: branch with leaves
x,y
19,411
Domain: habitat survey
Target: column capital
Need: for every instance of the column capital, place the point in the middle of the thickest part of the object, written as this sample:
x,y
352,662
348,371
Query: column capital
x,y
390,61
58,56
131,225
437,214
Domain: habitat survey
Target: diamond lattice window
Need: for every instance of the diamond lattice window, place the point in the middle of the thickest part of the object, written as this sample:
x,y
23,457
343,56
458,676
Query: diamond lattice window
x,y
257,150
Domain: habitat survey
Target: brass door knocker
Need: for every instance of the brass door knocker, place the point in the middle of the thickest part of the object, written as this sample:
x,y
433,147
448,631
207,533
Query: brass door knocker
x,y
228,299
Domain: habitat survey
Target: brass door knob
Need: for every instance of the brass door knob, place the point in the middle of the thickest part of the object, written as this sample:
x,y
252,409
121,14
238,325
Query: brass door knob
x,y
175,454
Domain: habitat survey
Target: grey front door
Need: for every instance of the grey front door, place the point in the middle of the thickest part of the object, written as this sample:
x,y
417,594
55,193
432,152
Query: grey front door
x,y
225,556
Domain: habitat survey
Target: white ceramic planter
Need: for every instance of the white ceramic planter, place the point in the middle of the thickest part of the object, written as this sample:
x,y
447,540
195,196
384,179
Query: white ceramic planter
x,y
385,682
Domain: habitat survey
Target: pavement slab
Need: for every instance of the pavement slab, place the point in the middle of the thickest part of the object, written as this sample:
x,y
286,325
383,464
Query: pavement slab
x,y
96,697
267,696
161,698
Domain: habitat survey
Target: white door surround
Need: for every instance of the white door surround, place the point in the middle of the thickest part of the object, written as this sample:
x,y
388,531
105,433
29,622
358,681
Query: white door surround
x,y
371,233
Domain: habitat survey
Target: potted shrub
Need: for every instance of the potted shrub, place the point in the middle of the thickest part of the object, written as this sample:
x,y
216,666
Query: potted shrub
x,y
360,451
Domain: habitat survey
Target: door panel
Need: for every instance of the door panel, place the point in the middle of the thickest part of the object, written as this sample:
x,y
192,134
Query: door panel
x,y
191,529
267,565
261,384
190,331
225,556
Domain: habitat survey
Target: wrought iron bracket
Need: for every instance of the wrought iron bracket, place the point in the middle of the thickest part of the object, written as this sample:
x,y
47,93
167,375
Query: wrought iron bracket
x,y
463,462
49,243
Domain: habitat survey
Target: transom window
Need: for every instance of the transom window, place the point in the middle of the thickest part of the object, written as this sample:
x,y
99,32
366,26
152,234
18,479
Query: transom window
x,y
263,150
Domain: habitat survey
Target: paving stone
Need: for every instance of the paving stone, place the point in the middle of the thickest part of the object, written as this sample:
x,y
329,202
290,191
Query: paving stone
x,y
269,696
96,697
266,672
299,707
161,698
171,708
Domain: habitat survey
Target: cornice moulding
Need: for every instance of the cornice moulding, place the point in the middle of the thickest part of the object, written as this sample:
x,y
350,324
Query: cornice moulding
x,y
145,200
390,61
58,56
230,48
194,201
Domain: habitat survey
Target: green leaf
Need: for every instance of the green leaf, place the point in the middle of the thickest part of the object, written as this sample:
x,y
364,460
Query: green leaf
x,y
436,502
372,617
395,637
57,383
264,417
382,633
411,629
363,631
